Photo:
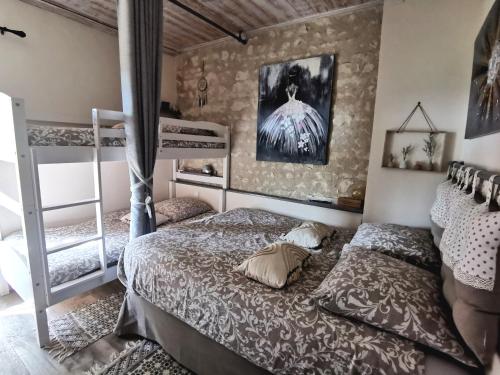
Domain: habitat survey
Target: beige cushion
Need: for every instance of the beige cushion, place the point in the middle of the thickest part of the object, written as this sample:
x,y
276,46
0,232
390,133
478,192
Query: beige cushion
x,y
177,209
276,265
160,219
308,234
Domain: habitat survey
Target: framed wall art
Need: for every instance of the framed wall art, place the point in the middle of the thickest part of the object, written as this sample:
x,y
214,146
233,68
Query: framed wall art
x,y
484,104
293,119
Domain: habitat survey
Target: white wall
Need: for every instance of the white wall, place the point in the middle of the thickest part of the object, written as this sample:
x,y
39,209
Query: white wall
x,y
63,69
426,55
483,152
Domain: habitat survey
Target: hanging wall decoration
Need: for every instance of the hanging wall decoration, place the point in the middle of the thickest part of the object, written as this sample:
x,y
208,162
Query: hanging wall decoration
x,y
418,150
484,102
202,87
294,110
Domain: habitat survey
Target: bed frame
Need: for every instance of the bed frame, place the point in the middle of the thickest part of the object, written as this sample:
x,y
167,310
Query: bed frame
x,y
32,281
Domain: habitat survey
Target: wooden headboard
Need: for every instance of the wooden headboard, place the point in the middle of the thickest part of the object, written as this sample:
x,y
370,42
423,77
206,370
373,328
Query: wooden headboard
x,y
222,200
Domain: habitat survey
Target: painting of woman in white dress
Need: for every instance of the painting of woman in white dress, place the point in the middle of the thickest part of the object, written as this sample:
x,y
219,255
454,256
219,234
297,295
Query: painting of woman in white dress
x,y
294,110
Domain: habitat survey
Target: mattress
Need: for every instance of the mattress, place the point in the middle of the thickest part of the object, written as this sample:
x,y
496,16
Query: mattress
x,y
67,136
78,136
73,263
188,272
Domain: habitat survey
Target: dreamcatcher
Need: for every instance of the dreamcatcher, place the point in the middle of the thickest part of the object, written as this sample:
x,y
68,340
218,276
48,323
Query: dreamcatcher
x,y
202,87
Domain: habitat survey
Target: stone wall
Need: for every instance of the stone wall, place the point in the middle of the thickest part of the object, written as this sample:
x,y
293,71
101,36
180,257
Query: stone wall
x,y
232,73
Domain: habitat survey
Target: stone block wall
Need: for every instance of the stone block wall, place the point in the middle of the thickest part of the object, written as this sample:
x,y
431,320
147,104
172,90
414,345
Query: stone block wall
x,y
232,73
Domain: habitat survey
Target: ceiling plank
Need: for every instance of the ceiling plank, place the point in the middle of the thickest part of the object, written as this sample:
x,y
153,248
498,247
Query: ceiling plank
x,y
183,30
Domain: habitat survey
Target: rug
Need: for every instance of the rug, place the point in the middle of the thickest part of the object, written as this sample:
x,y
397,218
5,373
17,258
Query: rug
x,y
86,325
80,328
142,357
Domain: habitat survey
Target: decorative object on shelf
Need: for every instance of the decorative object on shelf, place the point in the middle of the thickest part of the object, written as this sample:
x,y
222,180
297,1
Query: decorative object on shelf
x,y
348,202
19,33
421,150
484,101
358,194
392,161
429,148
293,122
405,152
202,87
207,169
198,172
168,110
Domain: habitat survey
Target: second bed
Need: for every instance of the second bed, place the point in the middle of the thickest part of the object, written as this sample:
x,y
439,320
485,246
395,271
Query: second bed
x,y
183,292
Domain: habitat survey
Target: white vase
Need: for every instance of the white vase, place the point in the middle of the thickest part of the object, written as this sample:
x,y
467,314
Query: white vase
x,y
403,164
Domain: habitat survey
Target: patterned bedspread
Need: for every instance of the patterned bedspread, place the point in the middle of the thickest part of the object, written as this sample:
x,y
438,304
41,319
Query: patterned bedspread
x,y
73,136
79,261
188,271
67,136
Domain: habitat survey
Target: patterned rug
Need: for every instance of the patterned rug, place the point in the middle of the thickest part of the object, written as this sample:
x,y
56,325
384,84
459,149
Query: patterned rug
x,y
84,326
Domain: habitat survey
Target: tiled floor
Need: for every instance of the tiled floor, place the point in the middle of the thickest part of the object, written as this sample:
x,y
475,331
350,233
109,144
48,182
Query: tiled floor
x,y
19,351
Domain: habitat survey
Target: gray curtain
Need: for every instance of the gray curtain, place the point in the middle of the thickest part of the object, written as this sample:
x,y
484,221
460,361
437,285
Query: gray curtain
x,y
140,32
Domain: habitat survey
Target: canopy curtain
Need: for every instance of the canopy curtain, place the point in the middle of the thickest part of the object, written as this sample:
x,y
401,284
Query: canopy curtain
x,y
140,32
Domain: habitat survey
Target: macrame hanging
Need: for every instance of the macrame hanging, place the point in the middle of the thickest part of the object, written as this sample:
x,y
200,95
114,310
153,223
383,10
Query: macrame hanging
x,y
431,125
202,87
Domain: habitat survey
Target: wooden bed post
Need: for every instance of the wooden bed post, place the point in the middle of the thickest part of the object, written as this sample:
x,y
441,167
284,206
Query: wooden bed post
x,y
171,184
99,209
25,183
226,164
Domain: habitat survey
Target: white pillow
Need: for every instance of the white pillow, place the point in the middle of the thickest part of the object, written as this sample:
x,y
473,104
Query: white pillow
x,y
160,219
308,234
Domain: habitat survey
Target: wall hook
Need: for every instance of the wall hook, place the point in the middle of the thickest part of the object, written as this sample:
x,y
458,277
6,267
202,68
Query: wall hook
x,y
19,33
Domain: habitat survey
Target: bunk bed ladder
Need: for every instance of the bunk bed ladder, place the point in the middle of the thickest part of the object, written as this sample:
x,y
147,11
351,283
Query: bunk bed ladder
x,y
60,292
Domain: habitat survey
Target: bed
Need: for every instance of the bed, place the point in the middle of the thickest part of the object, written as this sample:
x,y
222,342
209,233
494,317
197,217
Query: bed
x,y
27,144
183,292
42,135
76,262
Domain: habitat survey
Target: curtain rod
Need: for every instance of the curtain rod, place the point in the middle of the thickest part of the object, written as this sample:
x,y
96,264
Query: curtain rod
x,y
19,33
240,37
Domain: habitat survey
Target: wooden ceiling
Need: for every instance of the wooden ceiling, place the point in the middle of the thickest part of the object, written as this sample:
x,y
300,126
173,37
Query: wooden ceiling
x,y
183,30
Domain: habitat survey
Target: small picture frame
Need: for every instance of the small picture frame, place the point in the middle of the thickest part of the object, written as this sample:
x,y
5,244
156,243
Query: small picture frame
x,y
416,150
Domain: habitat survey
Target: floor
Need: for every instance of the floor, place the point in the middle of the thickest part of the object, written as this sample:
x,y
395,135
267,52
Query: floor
x,y
19,351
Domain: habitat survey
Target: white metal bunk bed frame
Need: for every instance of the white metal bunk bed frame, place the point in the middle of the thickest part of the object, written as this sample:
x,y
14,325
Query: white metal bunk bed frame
x,y
29,207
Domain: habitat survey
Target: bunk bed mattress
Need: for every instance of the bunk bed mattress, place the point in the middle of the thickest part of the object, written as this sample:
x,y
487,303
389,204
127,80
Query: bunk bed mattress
x,y
190,144
188,273
79,136
68,136
73,263
70,264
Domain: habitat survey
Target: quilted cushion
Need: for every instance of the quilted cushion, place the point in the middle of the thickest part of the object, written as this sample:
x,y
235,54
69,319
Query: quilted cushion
x,y
177,209
276,265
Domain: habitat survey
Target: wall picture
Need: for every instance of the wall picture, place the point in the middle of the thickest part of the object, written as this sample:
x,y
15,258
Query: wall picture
x,y
294,110
484,103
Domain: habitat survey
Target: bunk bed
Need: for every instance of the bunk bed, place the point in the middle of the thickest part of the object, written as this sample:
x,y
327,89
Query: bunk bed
x,y
29,259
